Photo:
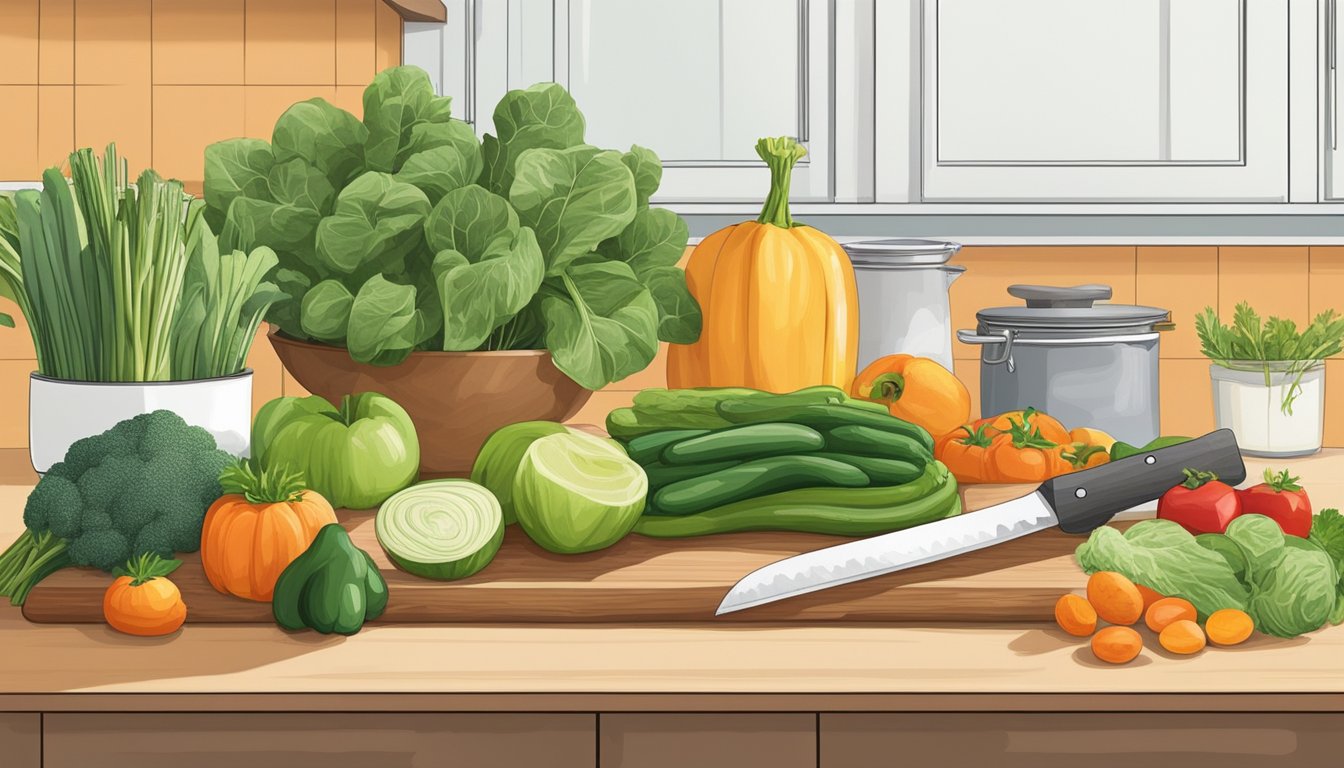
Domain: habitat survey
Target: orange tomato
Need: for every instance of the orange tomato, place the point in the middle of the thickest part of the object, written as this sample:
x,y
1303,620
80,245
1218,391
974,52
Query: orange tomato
x,y
1051,429
964,452
916,389
142,602
1009,463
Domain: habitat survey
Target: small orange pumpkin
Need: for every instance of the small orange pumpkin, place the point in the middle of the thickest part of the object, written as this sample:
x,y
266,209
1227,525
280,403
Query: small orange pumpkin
x,y
142,601
265,519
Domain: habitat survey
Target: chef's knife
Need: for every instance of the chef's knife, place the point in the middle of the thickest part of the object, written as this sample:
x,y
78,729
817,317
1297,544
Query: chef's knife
x,y
1077,503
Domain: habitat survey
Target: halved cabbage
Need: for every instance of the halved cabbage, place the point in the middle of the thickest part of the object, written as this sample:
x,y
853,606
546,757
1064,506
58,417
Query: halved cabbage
x,y
441,529
575,492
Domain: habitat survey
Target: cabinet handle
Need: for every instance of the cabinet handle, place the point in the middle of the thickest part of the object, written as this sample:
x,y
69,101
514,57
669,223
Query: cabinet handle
x,y
1332,94
803,71
469,48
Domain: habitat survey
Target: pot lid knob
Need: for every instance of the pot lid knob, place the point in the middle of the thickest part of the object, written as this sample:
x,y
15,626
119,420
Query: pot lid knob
x,y
1058,297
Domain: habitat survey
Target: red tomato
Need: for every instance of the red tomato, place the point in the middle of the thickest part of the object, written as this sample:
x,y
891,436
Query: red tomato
x,y
1282,500
1201,504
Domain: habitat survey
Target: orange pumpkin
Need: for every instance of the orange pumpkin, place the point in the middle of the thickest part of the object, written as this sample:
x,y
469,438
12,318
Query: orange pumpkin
x,y
264,521
142,601
781,310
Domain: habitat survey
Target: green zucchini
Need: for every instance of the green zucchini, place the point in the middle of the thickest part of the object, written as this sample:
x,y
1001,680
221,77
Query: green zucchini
x,y
748,442
832,511
822,417
661,474
755,478
880,471
649,448
866,441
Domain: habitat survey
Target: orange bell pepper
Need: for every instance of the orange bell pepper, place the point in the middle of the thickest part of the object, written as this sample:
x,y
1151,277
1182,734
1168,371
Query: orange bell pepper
x,y
963,451
916,389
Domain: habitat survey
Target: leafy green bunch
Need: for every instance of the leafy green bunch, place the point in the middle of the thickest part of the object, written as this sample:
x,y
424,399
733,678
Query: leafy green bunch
x,y
1247,342
124,282
403,232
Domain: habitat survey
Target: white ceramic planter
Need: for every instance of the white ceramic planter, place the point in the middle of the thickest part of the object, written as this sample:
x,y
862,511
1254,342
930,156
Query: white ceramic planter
x,y
1244,404
61,412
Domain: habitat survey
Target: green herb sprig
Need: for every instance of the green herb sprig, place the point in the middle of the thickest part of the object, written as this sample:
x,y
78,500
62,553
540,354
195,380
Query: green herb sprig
x,y
1248,341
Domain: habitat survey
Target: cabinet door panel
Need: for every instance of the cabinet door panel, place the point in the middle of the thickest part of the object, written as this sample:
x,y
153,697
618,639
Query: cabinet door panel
x,y
1105,100
318,740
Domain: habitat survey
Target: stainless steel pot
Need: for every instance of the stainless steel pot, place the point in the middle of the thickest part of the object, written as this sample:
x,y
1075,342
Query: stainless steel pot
x,y
1086,364
903,297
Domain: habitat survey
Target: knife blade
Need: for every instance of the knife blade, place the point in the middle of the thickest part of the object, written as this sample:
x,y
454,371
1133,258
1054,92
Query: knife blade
x,y
1077,503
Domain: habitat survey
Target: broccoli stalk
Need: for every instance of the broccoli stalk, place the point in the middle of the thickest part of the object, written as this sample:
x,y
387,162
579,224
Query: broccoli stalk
x,y
141,487
31,559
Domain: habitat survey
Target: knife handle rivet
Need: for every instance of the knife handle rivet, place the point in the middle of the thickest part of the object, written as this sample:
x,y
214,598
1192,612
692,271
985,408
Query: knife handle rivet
x,y
1150,460
1081,493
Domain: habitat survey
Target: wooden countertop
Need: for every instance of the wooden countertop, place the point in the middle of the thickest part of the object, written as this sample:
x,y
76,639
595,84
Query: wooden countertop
x,y
706,668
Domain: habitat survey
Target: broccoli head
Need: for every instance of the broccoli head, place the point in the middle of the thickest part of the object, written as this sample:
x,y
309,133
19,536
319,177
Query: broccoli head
x,y
142,486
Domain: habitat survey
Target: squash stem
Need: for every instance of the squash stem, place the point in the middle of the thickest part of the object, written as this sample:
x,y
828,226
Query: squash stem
x,y
268,485
780,155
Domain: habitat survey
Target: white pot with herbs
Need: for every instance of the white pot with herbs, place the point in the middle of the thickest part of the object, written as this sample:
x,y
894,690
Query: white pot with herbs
x,y
131,305
1269,378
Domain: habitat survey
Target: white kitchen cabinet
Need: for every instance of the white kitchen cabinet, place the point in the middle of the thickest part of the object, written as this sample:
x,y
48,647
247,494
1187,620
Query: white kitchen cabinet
x,y
1092,100
697,81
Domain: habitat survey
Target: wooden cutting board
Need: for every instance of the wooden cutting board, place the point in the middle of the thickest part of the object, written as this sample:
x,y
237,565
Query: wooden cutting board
x,y
643,580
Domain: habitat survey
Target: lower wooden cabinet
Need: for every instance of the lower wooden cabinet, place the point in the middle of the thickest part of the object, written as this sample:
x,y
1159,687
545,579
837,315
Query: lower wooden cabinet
x,y
1070,740
314,740
785,740
21,740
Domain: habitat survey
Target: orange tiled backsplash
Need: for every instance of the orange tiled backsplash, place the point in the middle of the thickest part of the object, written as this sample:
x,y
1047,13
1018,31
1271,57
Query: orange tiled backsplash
x,y
1296,282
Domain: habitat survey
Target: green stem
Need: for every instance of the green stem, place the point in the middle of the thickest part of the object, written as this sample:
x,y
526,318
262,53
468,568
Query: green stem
x,y
780,155
887,388
28,560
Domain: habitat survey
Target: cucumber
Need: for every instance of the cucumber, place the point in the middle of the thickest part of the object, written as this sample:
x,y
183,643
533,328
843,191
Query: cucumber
x,y
866,441
755,478
649,448
661,474
822,417
748,442
880,471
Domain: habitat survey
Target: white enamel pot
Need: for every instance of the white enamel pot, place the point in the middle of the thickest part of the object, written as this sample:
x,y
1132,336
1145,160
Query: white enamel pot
x,y
61,412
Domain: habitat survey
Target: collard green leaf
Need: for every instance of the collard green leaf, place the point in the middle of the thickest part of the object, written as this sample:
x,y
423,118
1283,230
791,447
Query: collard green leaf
x,y
487,268
656,237
679,317
382,326
297,184
326,137
445,157
647,169
601,323
233,169
376,222
326,311
542,116
285,313
254,222
573,199
396,100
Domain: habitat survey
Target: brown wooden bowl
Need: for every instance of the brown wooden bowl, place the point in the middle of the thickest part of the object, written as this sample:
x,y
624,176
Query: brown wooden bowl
x,y
456,399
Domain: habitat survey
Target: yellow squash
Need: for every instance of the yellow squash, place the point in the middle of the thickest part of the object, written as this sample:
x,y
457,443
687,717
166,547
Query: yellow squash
x,y
781,311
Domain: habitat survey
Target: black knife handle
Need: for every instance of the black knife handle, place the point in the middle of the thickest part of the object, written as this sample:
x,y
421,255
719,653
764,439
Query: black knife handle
x,y
1088,499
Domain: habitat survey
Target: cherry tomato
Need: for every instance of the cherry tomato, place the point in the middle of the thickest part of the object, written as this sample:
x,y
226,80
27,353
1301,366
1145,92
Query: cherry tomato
x,y
1201,504
1281,499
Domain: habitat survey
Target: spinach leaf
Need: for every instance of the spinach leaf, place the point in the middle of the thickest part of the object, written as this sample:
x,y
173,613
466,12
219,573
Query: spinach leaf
x,y
647,169
487,268
396,102
542,116
652,245
377,221
326,311
446,156
326,137
679,317
382,326
233,169
573,199
601,323
285,313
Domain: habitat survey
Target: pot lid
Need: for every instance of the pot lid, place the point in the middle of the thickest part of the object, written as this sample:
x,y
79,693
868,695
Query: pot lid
x,y
1064,308
900,252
